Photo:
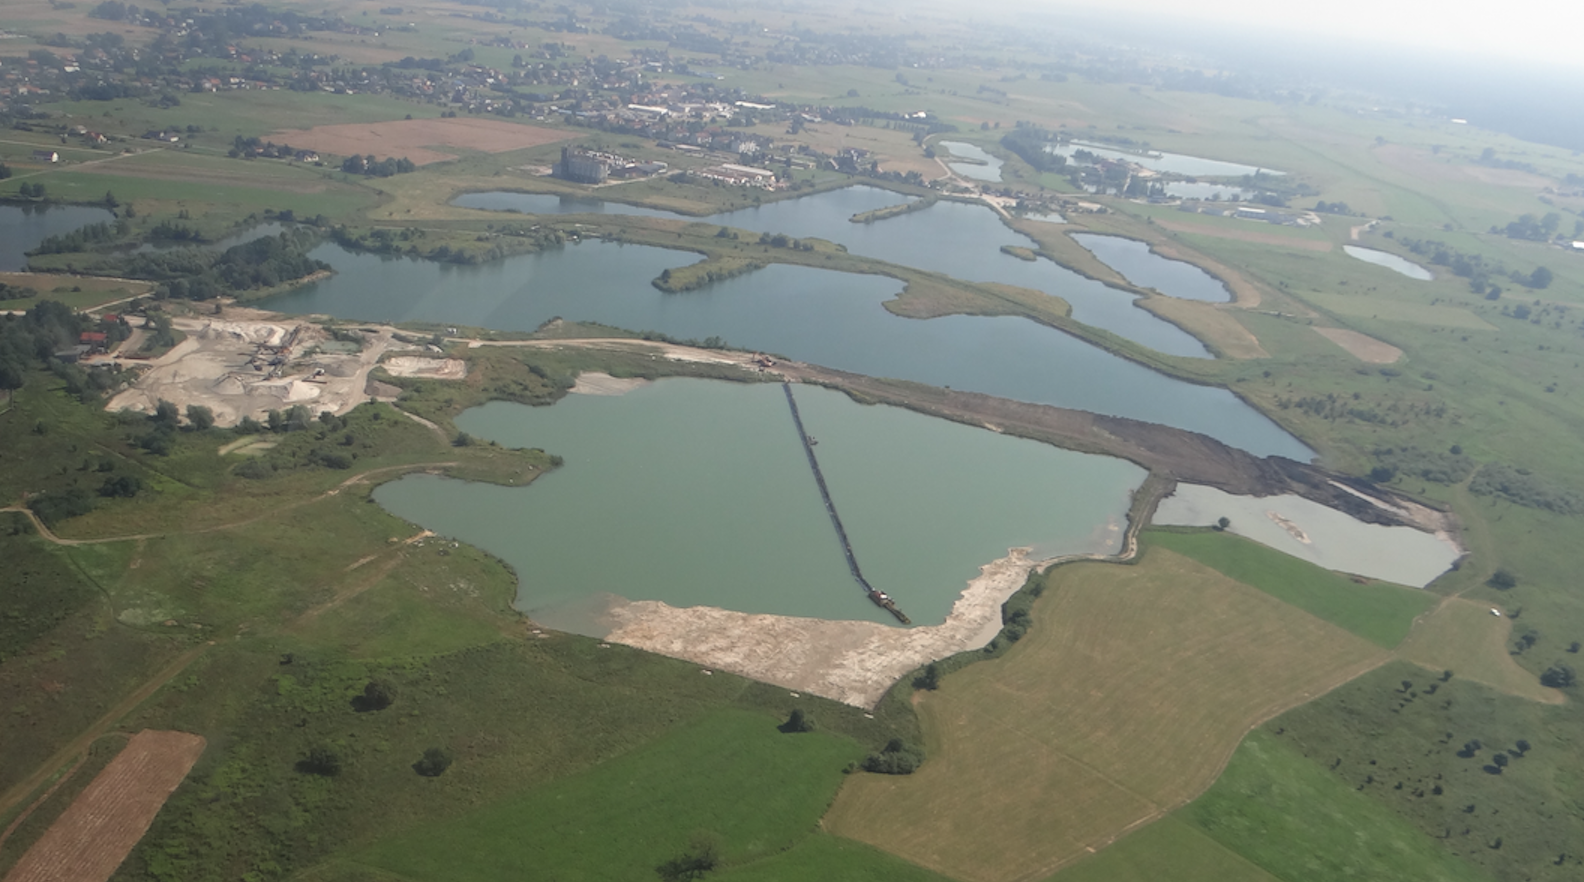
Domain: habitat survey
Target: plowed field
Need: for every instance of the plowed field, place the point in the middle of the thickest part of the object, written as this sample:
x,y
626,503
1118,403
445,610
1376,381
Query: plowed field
x,y
95,833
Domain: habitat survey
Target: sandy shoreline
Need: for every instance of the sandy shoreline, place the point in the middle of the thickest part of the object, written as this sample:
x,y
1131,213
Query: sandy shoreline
x,y
601,383
853,662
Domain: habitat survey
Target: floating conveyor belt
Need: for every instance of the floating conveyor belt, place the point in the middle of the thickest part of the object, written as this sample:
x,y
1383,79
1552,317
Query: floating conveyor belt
x,y
880,598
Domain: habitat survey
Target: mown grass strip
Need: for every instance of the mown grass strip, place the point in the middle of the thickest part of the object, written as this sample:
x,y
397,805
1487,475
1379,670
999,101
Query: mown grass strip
x,y
1379,612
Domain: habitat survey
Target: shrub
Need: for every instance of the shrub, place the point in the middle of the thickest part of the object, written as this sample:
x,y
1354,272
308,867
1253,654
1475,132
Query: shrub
x,y
1558,676
321,760
896,758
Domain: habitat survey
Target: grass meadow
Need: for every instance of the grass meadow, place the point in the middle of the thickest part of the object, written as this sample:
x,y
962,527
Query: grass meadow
x,y
729,774
1293,819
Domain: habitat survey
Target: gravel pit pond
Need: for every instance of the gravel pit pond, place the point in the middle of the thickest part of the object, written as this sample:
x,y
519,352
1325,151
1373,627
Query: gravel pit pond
x,y
1143,267
984,166
826,318
962,240
1389,261
699,493
1316,533
1171,163
23,227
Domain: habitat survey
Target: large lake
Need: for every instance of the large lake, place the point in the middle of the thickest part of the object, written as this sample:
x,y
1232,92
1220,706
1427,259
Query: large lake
x,y
698,493
1173,163
23,227
1143,267
959,239
827,318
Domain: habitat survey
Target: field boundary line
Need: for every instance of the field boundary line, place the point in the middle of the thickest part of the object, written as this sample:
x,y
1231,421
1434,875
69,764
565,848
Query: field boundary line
x,y
1345,677
79,745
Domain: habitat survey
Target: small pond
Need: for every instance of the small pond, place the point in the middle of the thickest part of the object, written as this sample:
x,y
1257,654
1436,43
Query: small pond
x,y
1143,267
23,227
984,166
698,493
1316,533
1390,261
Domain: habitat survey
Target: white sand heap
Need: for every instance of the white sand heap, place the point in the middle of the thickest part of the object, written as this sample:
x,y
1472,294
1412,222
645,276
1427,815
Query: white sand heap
x,y
419,366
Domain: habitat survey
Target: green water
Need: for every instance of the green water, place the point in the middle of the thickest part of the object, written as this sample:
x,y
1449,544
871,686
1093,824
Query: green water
x,y
698,493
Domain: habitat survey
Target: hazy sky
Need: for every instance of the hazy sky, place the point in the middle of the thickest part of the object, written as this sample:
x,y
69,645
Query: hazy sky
x,y
1546,31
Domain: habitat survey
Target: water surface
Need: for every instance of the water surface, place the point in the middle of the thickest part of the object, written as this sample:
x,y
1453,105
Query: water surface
x,y
23,227
828,318
698,492
1325,536
1143,267
962,240
987,167
1173,163
1203,190
1390,261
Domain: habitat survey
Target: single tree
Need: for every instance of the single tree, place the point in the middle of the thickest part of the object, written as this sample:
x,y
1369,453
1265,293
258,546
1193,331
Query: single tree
x,y
434,762
165,413
1222,523
200,417
1502,580
930,679
797,721
377,695
1521,747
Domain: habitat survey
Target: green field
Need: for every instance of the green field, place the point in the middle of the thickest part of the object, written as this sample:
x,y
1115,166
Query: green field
x,y
1293,819
1165,849
732,775
1380,613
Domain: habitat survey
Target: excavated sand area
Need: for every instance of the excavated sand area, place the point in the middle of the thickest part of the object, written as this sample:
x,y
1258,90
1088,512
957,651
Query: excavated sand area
x,y
419,366
849,661
225,364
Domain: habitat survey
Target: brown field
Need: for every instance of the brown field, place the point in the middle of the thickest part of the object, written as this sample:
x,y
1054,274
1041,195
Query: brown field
x,y
198,175
1428,167
1464,637
1214,325
95,833
1361,346
415,138
1220,232
1123,702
